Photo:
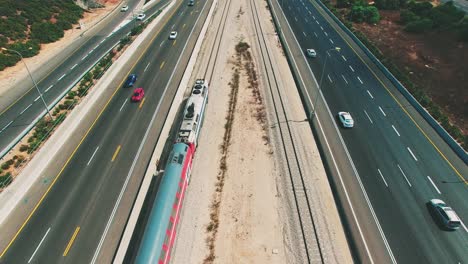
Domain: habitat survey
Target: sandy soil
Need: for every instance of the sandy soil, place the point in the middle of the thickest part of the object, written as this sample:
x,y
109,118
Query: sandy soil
x,y
12,75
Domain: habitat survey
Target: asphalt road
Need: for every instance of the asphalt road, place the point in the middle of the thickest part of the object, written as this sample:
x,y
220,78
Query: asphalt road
x,y
400,161
71,221
20,115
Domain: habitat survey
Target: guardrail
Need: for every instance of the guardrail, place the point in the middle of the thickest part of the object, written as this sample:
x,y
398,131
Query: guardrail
x,y
422,111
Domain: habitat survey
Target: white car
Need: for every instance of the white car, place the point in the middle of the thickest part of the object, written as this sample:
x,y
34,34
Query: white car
x,y
173,35
446,214
141,16
124,8
311,53
346,119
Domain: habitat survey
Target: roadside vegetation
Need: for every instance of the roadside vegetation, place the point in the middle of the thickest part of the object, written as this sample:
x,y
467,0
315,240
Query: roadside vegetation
x,y
24,25
420,20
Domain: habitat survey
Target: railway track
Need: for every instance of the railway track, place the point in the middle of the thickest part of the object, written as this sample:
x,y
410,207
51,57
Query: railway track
x,y
310,240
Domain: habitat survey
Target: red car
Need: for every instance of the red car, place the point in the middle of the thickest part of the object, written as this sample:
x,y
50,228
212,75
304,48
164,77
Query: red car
x,y
138,94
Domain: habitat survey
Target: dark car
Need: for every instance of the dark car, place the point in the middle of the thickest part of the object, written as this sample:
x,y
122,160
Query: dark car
x,y
130,80
138,94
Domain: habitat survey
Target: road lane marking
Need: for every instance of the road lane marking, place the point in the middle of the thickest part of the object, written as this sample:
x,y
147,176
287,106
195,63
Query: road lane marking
x,y
102,41
162,42
46,90
76,148
84,57
315,34
313,17
295,18
97,46
404,175
305,35
370,94
321,28
173,26
92,156
125,101
411,152
368,117
162,65
328,53
183,26
381,175
141,104
90,52
38,246
466,229
381,110
70,243
307,21
325,33
173,43
147,66
7,125
61,77
329,78
396,131
76,64
433,184
344,79
316,21
351,68
24,110
332,41
310,13
343,58
360,80
116,152
37,98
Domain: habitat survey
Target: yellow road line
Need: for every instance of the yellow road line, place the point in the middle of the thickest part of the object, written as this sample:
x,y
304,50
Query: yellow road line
x,y
142,102
183,26
173,43
162,65
404,110
116,152
83,138
70,243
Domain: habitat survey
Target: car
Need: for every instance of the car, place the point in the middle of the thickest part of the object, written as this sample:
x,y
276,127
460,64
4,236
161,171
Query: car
x,y
191,2
124,8
141,16
173,35
447,216
130,80
138,94
346,119
311,53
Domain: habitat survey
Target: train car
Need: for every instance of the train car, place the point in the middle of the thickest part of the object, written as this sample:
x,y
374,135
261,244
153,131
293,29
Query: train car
x,y
193,113
160,230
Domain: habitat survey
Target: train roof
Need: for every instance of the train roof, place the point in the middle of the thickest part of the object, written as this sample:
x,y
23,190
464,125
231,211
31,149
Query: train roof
x,y
193,110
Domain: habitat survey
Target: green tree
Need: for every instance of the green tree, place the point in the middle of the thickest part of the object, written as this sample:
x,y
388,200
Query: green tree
x,y
407,16
388,4
421,9
446,15
419,26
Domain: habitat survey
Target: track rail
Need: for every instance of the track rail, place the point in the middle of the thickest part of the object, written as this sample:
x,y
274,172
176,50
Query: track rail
x,y
311,242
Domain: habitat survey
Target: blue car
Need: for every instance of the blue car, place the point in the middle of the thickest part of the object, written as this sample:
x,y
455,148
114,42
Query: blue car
x,y
130,80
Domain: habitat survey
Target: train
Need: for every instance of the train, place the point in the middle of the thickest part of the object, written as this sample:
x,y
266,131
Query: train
x,y
160,231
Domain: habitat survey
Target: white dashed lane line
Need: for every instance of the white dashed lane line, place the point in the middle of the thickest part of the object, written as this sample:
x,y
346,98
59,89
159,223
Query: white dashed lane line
x,y
147,67
102,41
404,175
316,21
24,110
61,77
307,21
295,18
332,41
37,98
125,101
92,156
304,33
368,117
433,184
97,46
321,28
381,110
162,42
90,52
329,78
48,88
313,17
411,152
381,175
84,57
40,243
343,57
173,26
360,80
351,68
370,94
310,13
396,131
344,79
74,66
5,127
325,33
316,34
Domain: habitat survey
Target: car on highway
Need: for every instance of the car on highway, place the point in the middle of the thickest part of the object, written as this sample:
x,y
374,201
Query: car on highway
x,y
173,35
311,53
124,8
191,2
346,119
445,214
130,80
138,94
141,16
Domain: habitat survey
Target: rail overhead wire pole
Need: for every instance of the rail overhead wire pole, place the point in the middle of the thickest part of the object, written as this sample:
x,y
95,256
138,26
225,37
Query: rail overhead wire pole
x,y
312,115
34,81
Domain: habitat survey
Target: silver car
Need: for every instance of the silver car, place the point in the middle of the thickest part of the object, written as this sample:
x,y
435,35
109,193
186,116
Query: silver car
x,y
446,214
311,53
346,119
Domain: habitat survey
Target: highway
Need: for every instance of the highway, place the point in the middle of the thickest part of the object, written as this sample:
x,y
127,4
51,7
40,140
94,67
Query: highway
x,y
19,115
72,220
391,153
